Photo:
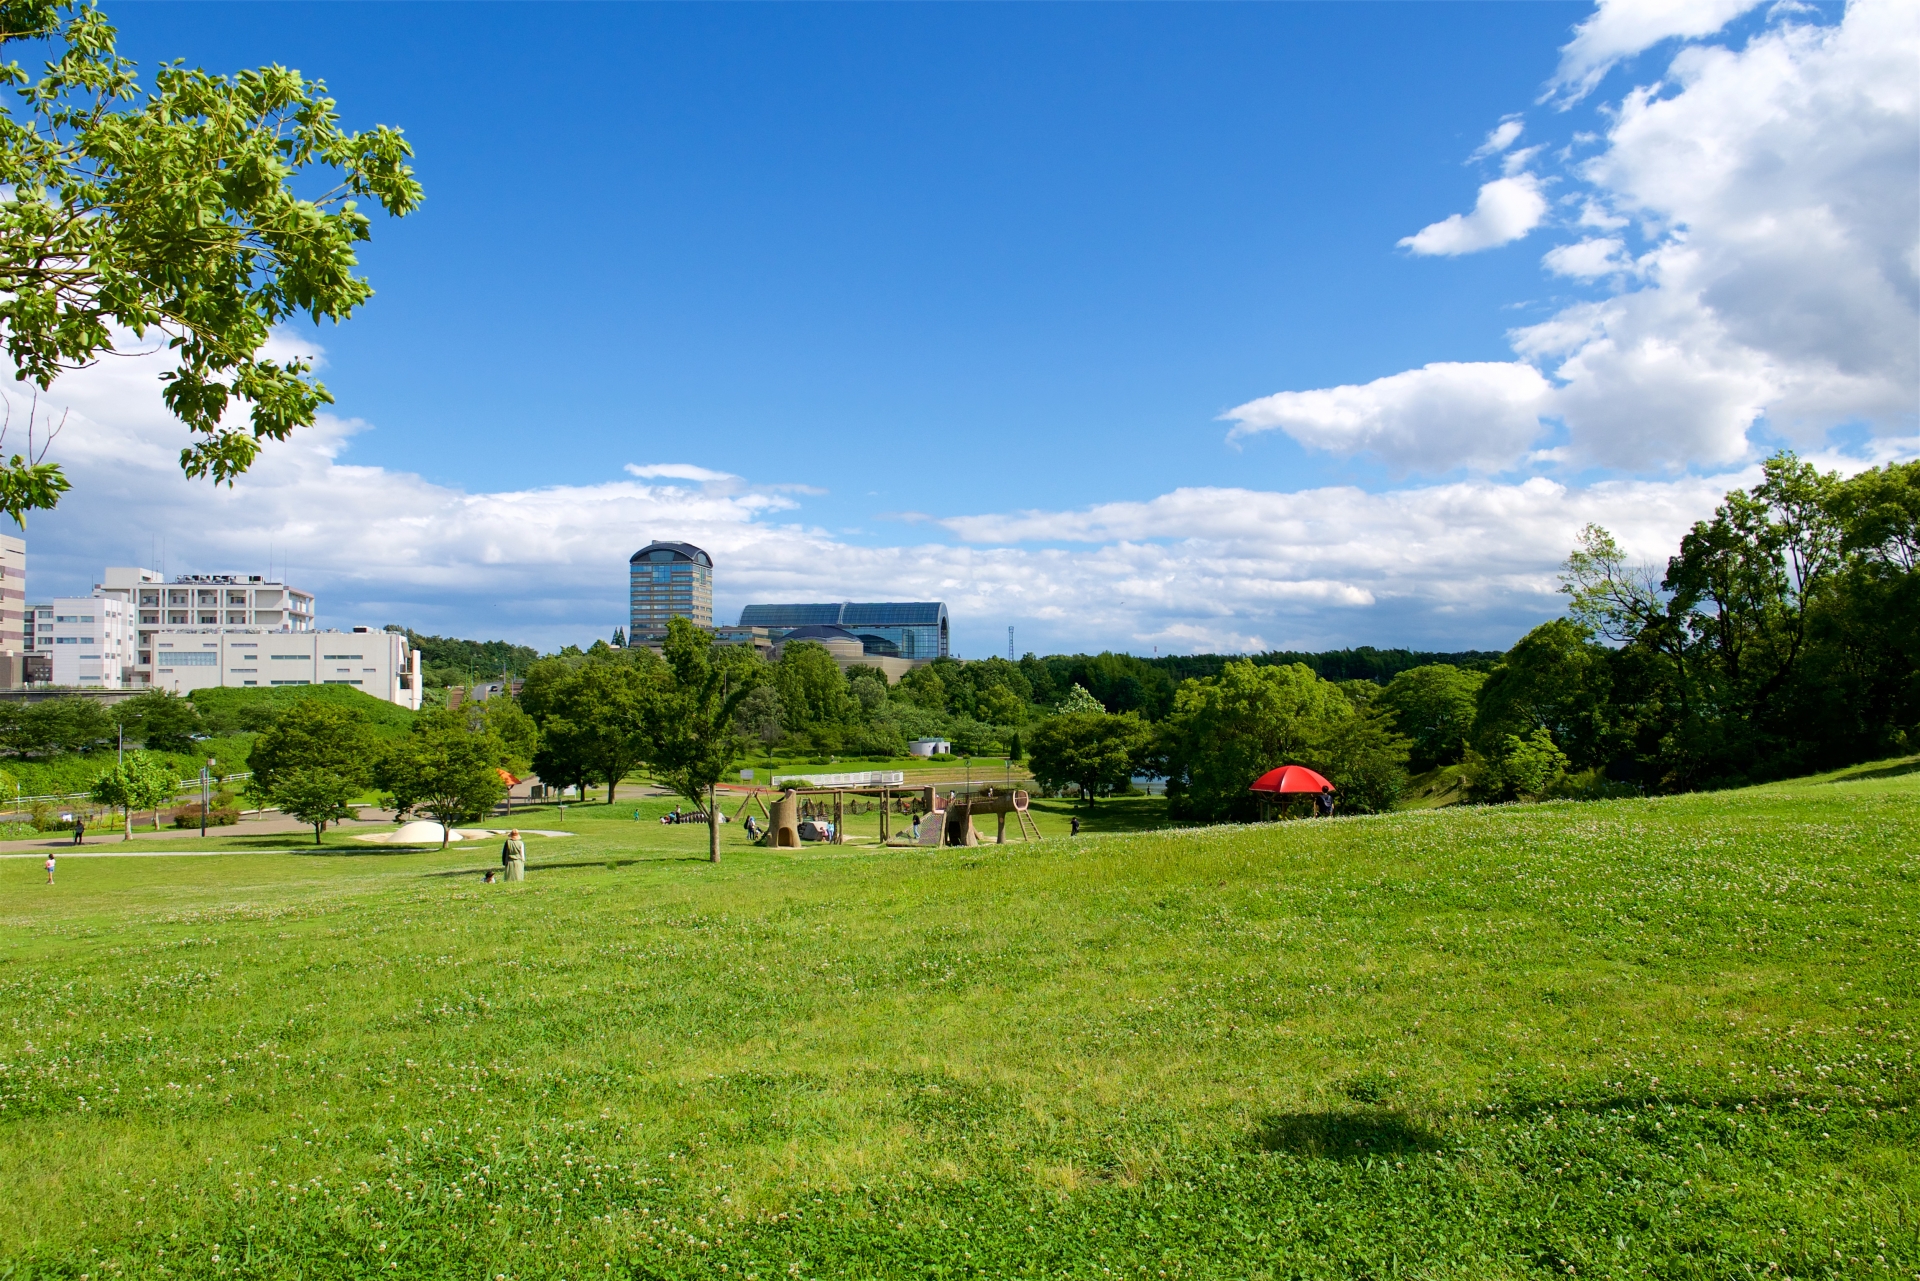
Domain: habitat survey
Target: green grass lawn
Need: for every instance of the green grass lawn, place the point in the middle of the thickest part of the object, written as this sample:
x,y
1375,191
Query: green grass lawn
x,y
1666,1038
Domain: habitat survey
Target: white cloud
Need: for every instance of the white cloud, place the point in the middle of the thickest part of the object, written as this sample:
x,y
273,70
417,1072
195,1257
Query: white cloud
x,y
1621,28
1503,136
1774,187
1468,564
1589,259
1480,416
676,471
1506,210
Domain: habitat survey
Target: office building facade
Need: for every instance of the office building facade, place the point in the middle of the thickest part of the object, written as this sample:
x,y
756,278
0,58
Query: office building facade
x,y
91,640
246,601
379,663
668,580
916,631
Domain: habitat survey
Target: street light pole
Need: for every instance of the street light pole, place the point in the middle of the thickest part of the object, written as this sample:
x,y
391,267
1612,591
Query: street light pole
x,y
206,796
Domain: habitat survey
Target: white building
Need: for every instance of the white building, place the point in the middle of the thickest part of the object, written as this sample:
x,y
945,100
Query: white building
x,y
13,594
374,662
250,601
91,640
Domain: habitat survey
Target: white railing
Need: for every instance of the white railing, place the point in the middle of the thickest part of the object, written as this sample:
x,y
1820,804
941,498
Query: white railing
x,y
866,778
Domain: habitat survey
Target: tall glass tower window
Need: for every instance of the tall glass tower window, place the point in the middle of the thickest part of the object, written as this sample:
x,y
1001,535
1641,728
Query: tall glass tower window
x,y
669,580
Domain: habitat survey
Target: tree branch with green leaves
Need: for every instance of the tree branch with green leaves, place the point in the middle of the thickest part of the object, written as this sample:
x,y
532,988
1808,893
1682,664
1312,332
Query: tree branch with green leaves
x,y
175,220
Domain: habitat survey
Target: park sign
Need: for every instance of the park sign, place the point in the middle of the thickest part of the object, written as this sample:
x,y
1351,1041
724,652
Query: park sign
x,y
866,778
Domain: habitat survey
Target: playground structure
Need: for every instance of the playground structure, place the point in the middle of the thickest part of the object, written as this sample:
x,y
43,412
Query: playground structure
x,y
954,813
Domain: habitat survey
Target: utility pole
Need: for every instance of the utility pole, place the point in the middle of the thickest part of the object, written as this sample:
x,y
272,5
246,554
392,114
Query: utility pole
x,y
1010,644
206,795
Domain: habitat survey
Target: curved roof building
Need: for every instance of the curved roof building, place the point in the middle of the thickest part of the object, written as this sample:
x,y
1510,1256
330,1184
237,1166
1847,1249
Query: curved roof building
x,y
669,580
915,630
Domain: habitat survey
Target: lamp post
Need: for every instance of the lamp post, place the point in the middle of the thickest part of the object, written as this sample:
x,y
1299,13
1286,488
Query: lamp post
x,y
206,794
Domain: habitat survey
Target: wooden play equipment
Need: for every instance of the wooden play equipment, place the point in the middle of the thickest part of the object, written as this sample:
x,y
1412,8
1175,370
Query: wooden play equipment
x,y
783,823
956,814
949,819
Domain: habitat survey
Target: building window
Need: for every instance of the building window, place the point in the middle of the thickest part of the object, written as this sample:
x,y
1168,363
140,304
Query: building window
x,y
291,682
194,660
343,658
291,658
334,682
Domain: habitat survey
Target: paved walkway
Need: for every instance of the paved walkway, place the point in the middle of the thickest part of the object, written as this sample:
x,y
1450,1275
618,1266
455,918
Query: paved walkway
x,y
270,823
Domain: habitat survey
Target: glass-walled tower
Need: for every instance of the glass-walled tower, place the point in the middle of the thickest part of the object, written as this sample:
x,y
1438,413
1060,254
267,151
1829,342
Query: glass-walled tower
x,y
669,580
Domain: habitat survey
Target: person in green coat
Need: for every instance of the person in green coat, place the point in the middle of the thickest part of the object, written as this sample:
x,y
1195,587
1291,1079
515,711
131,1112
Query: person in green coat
x,y
513,856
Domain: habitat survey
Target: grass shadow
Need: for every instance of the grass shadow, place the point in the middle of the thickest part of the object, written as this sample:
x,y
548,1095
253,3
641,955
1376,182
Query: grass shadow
x,y
1884,771
1341,1136
557,867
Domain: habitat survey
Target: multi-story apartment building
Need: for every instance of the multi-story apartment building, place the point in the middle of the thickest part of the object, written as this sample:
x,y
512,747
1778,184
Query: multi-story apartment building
x,y
668,580
91,640
379,663
250,601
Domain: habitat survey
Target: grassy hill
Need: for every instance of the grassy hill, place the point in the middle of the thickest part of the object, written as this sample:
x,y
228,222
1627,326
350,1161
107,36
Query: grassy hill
x,y
1669,1037
231,704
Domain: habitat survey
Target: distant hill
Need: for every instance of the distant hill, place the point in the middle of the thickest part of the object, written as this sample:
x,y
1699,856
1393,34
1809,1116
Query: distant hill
x,y
1364,663
449,660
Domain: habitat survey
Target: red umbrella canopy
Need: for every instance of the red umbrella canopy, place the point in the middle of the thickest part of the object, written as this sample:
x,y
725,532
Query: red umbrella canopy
x,y
1289,778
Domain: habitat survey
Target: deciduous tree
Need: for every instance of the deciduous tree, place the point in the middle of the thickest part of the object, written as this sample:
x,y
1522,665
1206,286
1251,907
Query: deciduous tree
x,y
136,782
195,213
1096,751
694,740
314,796
442,769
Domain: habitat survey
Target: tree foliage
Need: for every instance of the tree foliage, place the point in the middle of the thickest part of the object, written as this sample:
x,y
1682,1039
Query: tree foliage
x,y
593,713
177,215
442,768
1783,636
1095,751
694,740
136,782
1434,707
163,721
54,726
314,796
312,735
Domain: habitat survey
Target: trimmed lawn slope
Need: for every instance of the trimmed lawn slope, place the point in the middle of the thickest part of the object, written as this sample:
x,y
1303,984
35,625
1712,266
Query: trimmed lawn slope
x,y
1668,1038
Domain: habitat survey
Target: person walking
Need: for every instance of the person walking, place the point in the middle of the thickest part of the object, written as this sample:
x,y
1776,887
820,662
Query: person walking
x,y
49,869
513,857
79,829
1076,825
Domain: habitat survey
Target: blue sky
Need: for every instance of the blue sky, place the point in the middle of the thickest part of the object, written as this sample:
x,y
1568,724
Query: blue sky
x,y
902,300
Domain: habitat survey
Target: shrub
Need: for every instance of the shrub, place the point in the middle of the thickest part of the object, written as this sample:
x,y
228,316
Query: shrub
x,y
222,816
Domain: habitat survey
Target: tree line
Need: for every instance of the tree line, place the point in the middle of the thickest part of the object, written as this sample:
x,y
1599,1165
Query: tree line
x,y
1782,636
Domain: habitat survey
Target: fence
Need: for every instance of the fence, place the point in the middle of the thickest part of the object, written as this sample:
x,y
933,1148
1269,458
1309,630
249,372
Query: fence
x,y
186,785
